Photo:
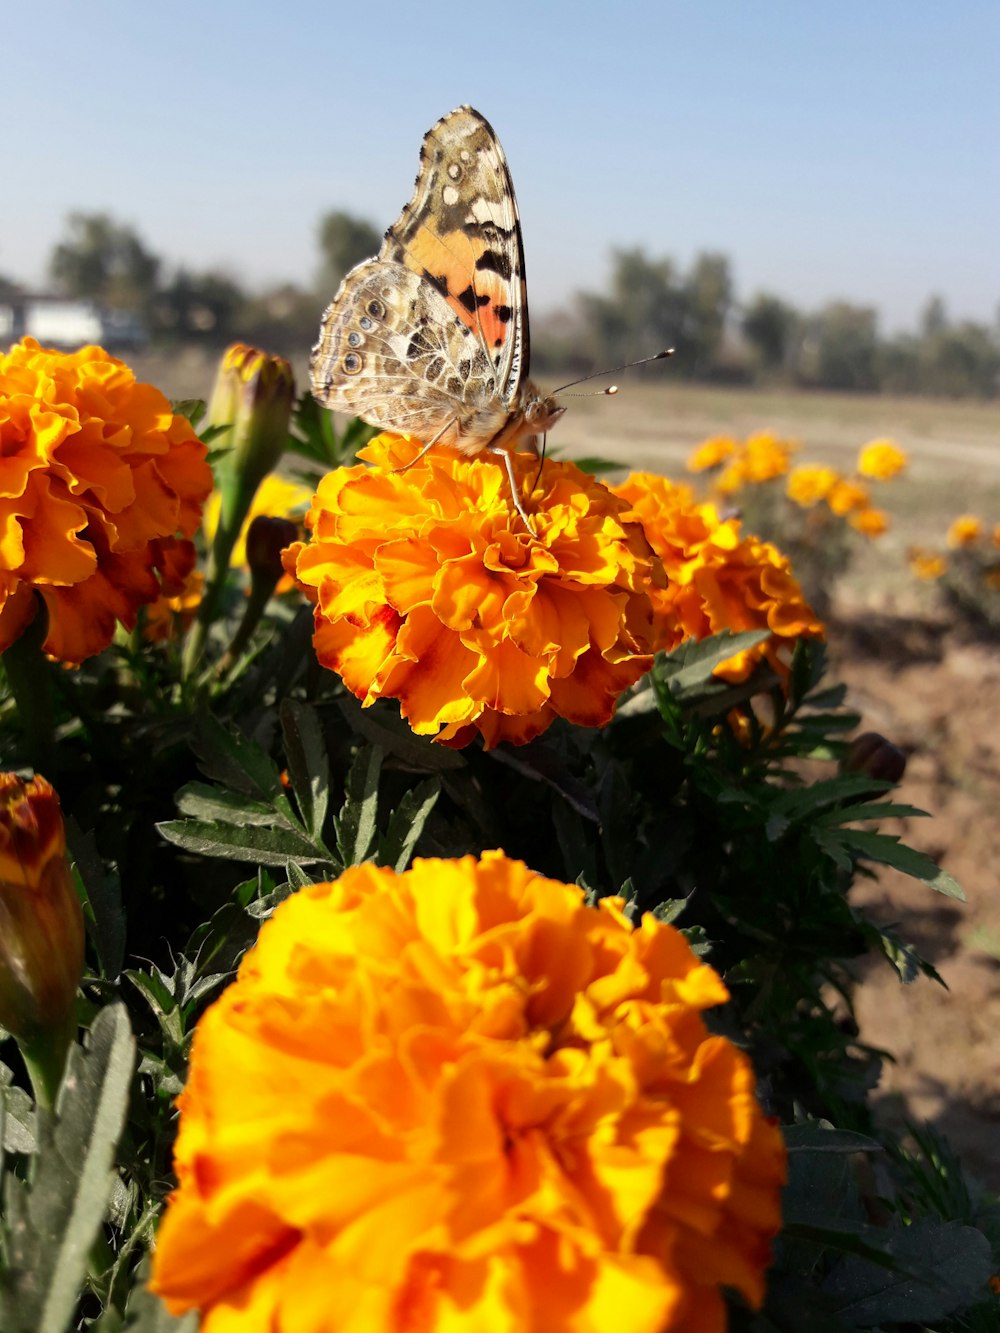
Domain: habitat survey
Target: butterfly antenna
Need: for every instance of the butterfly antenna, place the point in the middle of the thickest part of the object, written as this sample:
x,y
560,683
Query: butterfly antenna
x,y
613,370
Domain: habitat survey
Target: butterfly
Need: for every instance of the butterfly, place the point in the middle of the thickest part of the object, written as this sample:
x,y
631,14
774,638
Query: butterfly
x,y
430,338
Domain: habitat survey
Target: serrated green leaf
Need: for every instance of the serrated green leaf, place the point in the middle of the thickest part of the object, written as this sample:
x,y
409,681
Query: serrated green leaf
x,y
888,850
406,823
102,895
217,805
262,846
239,763
670,909
308,765
821,1136
939,1268
191,409
19,1129
51,1224
807,802
688,669
392,735
870,810
356,824
297,877
597,466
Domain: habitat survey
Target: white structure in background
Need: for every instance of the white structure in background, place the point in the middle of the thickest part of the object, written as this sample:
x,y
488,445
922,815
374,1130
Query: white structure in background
x,y
58,321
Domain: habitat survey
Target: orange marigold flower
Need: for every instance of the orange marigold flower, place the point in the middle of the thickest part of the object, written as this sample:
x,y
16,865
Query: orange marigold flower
x,y
96,474
711,452
460,1098
847,496
766,456
870,522
429,590
716,578
926,565
881,460
965,531
810,483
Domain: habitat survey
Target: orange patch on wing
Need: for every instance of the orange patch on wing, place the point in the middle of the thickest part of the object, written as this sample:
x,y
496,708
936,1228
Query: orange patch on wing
x,y
452,259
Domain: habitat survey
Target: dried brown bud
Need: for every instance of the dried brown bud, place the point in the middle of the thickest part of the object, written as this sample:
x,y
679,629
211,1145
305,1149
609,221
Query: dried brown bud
x,y
878,758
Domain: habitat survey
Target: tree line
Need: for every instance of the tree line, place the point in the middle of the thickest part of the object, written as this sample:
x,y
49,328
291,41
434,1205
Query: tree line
x,y
649,303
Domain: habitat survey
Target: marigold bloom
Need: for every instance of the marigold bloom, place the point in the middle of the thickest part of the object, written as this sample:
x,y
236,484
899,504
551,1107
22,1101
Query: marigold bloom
x,y
965,531
847,496
41,923
810,483
711,452
881,460
96,474
460,1098
870,522
430,591
716,578
252,399
926,565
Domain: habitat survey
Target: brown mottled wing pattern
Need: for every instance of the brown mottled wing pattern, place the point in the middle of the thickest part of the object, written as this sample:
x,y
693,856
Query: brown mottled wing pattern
x,y
461,232
431,338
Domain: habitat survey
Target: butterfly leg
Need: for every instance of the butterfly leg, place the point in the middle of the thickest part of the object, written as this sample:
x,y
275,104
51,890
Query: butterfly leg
x,y
426,449
511,477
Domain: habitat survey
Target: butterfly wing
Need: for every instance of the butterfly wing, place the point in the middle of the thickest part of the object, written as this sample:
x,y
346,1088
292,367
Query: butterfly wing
x,y
393,351
461,233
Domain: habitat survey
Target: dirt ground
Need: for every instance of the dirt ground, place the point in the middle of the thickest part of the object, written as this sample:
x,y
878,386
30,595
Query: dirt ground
x,y
912,678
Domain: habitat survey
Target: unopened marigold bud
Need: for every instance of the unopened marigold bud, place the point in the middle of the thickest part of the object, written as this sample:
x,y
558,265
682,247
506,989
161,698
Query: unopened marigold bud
x,y
253,397
876,757
41,922
267,537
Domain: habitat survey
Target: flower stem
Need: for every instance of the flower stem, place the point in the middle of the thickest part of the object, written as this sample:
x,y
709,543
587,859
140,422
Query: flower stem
x,y
45,1060
30,680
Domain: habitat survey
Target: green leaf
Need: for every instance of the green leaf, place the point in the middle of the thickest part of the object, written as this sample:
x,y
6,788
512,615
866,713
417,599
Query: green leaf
x,y
51,1223
102,894
406,823
870,810
688,669
888,850
821,1136
308,765
19,1131
356,823
261,846
211,804
192,409
940,1267
387,730
597,466
238,763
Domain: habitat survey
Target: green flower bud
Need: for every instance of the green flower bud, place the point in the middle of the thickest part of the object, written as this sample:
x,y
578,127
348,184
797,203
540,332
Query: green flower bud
x,y
253,398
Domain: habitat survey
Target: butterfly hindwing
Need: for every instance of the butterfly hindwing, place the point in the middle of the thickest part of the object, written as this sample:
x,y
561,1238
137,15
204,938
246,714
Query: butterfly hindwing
x,y
393,351
460,232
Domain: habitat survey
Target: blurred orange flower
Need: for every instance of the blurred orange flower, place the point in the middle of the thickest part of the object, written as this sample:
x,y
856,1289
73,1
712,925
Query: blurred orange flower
x,y
460,1098
96,474
847,496
429,590
926,565
715,578
965,531
810,483
711,452
881,460
761,457
870,522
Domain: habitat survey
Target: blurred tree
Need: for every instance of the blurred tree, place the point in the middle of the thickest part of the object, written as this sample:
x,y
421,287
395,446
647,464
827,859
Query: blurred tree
x,y
934,319
962,359
105,261
839,351
771,327
645,311
284,319
198,307
344,240
898,364
707,300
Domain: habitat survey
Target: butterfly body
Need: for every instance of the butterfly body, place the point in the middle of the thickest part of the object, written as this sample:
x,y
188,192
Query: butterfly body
x,y
431,338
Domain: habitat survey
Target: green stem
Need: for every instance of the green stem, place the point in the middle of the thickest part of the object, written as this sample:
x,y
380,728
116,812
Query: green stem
x,y
259,596
236,499
29,676
45,1060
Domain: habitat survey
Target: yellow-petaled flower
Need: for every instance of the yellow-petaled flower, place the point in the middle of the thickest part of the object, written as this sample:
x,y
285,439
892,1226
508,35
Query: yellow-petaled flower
x,y
810,483
97,474
870,522
926,565
715,578
881,460
847,496
761,457
430,590
711,452
460,1098
41,923
276,497
965,531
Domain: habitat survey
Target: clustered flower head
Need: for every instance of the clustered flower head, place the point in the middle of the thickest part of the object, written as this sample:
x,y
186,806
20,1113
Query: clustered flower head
x,y
716,578
966,530
430,590
761,457
98,480
460,1098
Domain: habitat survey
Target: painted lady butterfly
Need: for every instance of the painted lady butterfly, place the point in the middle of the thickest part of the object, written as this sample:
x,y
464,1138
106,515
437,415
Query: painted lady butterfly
x,y
430,338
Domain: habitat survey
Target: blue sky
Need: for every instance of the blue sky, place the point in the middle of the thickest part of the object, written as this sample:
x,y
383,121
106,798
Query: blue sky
x,y
831,149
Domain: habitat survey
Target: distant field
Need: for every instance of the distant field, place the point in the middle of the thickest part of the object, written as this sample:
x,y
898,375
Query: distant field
x,y
954,445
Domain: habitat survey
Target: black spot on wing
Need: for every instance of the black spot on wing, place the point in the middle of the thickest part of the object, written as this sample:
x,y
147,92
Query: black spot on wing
x,y
471,300
494,261
440,283
503,313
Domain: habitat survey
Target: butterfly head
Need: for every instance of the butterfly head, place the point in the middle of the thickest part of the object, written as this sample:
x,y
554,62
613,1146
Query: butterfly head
x,y
541,411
